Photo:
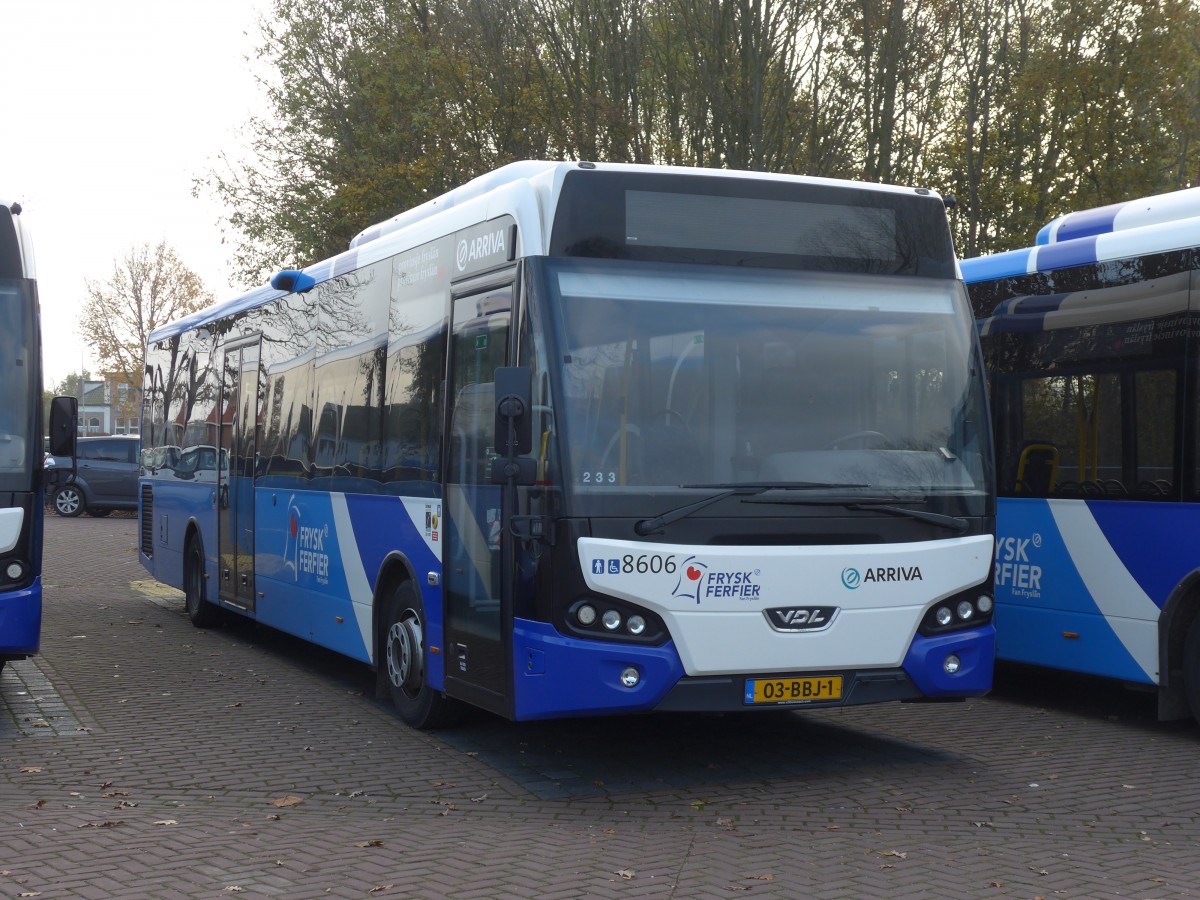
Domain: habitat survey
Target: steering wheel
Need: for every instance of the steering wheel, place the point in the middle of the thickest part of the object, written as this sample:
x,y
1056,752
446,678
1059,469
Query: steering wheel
x,y
866,439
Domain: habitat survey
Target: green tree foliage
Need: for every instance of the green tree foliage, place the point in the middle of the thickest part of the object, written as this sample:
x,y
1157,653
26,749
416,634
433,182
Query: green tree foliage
x,y
1024,109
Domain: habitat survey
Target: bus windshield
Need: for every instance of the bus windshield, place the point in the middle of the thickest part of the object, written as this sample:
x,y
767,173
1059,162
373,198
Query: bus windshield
x,y
18,444
676,376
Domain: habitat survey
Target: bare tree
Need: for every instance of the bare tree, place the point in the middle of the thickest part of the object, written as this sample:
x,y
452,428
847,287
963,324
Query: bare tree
x,y
149,286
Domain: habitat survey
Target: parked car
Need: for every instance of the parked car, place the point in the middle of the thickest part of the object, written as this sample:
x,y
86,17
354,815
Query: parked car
x,y
106,476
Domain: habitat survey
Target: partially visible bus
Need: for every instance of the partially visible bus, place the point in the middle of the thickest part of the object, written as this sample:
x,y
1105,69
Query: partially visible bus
x,y
21,441
1091,342
582,438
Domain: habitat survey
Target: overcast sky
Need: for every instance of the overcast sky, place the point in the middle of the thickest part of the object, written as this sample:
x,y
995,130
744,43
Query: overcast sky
x,y
108,110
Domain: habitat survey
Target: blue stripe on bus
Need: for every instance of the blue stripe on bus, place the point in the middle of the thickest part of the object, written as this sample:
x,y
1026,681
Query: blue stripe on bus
x,y
346,262
1088,223
1155,542
998,265
1079,252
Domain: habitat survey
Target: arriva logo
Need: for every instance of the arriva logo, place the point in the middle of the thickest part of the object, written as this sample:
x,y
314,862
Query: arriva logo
x,y
479,248
853,579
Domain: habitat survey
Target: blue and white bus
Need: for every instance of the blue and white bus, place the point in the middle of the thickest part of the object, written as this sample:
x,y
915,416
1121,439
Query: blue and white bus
x,y
21,444
1090,337
582,438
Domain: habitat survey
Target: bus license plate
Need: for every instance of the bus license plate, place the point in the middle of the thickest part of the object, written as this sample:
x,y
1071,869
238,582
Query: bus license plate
x,y
793,690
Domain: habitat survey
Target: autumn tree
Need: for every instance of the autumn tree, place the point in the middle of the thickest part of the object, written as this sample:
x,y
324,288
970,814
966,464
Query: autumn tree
x,y
149,286
1024,109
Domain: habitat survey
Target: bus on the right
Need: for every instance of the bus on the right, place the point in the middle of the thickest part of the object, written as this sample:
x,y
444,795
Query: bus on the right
x,y
1092,345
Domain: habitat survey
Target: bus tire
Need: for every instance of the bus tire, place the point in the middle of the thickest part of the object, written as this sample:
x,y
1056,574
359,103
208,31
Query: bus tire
x,y
202,613
403,660
1191,667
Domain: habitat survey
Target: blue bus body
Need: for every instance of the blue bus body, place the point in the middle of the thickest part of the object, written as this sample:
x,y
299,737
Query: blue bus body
x,y
676,533
1090,341
20,443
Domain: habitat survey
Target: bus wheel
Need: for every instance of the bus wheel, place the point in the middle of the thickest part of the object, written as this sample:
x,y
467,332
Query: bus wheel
x,y
68,501
202,613
416,702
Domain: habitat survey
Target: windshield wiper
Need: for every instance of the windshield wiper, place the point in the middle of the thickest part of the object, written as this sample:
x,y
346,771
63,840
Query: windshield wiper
x,y
954,523
655,524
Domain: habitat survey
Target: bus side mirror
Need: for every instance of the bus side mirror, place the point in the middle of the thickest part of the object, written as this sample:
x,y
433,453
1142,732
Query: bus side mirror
x,y
514,426
63,415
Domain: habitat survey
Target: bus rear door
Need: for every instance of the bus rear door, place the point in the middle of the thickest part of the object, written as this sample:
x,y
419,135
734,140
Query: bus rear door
x,y
235,478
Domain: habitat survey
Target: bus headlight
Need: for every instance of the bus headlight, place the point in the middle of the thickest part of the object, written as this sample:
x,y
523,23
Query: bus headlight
x,y
636,625
984,604
951,664
944,616
965,610
630,677
15,571
586,615
612,619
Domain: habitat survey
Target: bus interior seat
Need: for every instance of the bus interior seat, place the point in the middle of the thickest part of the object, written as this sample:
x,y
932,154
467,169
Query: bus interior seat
x,y
1037,469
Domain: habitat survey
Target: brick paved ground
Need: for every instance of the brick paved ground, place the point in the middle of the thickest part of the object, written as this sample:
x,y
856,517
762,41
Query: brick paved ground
x,y
140,757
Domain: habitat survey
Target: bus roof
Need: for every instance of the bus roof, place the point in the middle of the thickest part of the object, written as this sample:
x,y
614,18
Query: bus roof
x,y
1124,243
547,172
16,248
1131,214
525,190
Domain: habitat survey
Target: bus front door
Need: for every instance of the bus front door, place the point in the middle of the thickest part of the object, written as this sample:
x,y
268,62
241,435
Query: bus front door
x,y
478,627
235,474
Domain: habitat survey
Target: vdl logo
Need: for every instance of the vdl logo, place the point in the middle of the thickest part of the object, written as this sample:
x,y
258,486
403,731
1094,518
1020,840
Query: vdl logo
x,y
851,578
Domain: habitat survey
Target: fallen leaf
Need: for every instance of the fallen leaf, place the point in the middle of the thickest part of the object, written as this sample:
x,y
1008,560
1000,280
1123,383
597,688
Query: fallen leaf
x,y
374,843
382,887
289,800
233,889
166,822
895,853
108,824
626,873
760,877
725,822
274,817
30,770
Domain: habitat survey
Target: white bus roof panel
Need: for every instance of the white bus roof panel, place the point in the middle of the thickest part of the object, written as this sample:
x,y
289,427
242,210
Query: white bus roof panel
x,y
1162,237
1131,214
